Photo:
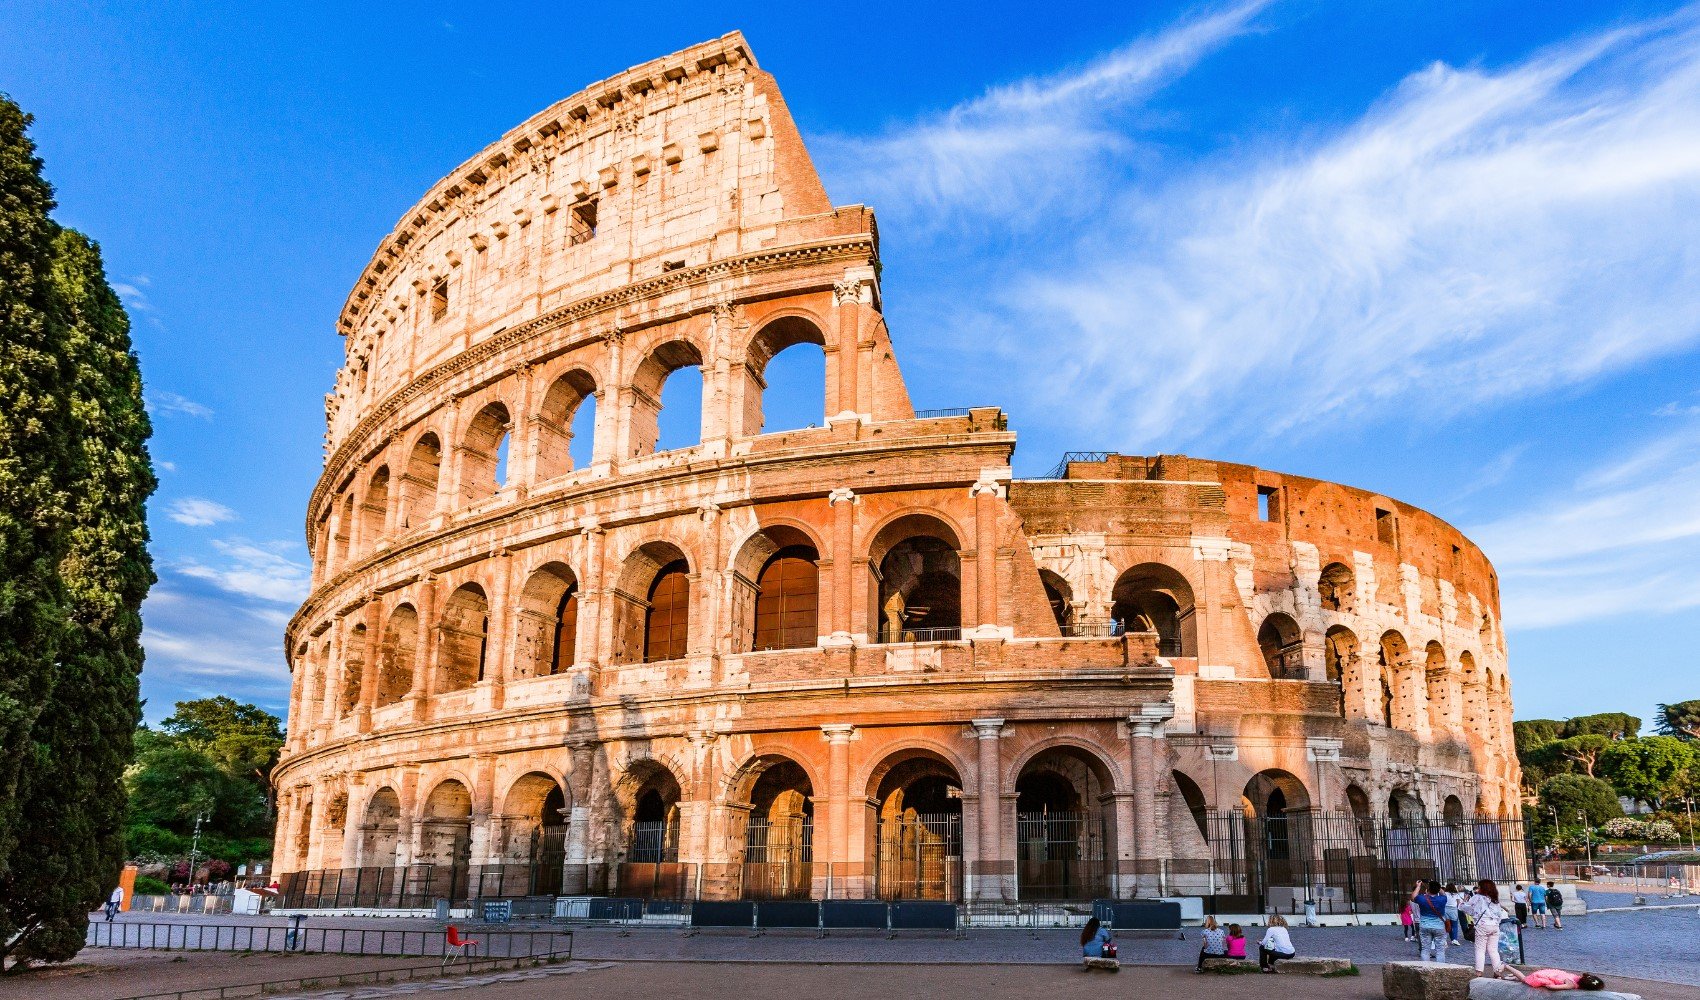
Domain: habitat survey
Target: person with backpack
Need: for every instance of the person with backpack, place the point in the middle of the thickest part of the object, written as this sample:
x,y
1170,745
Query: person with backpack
x,y
1431,907
1555,903
1485,914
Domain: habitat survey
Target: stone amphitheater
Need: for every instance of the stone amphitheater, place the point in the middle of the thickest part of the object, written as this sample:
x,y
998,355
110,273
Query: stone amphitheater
x,y
857,659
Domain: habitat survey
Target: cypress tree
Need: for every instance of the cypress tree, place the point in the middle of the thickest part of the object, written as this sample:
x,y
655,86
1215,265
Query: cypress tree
x,y
34,452
74,568
72,791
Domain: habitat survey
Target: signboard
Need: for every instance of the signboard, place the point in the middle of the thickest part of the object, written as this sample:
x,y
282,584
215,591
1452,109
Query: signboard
x,y
498,911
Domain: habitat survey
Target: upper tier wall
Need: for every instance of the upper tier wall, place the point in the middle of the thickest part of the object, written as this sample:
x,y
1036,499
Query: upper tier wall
x,y
672,165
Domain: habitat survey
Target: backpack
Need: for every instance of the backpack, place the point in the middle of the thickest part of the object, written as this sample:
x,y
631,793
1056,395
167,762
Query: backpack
x,y
1554,897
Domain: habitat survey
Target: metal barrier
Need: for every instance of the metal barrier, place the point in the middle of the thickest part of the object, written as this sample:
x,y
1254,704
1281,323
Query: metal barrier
x,y
328,940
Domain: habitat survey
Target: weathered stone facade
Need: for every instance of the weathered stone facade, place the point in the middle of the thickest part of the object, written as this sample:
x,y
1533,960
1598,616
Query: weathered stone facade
x,y
656,654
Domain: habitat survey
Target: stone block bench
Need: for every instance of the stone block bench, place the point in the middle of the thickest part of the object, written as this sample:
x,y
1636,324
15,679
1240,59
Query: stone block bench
x,y
1102,964
1426,981
1505,989
1293,966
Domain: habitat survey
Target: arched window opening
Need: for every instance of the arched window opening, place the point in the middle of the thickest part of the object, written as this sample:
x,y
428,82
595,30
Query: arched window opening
x,y
1156,598
918,839
1282,646
921,591
396,656
345,532
374,508
667,625
380,830
788,354
419,485
1340,662
566,425
445,834
1196,804
779,836
1337,588
1438,684
1276,805
535,830
666,411
654,835
547,614
463,639
353,667
1060,597
1064,832
788,600
484,454
1396,670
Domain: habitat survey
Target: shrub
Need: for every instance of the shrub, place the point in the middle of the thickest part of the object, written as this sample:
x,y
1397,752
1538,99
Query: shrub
x,y
147,885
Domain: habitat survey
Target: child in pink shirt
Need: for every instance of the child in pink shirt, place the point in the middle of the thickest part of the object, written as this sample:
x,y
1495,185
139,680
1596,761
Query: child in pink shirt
x,y
1558,979
1236,941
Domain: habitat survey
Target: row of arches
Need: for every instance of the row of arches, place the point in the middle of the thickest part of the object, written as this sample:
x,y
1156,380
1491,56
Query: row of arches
x,y
453,462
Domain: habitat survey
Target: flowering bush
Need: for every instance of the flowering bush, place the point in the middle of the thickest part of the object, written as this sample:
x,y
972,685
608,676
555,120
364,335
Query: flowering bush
x,y
1625,827
1661,831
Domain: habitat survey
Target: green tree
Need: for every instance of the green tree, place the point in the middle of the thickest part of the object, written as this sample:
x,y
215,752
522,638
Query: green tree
x,y
1681,720
1576,753
170,785
1649,768
1571,794
1531,733
73,789
243,739
34,454
1612,725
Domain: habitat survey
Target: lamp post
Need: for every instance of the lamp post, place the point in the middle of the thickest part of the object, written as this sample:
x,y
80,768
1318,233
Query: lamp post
x,y
194,848
1688,807
1588,834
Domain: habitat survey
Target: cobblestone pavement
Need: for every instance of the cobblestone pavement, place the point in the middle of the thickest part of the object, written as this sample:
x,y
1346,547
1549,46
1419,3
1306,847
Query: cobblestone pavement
x,y
789,980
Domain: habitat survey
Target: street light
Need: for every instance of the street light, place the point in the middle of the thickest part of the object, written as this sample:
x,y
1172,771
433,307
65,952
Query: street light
x,y
194,848
1588,833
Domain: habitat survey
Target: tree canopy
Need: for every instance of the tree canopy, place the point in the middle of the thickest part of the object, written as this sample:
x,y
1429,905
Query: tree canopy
x,y
1647,768
1612,725
1681,719
1571,794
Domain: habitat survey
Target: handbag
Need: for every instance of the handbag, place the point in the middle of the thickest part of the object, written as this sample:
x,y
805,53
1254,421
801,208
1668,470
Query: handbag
x,y
1109,949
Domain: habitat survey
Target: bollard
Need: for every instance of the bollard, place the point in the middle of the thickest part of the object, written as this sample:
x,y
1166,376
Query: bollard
x,y
295,939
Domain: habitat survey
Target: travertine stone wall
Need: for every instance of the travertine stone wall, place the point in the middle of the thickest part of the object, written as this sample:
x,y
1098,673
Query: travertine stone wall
x,y
1142,639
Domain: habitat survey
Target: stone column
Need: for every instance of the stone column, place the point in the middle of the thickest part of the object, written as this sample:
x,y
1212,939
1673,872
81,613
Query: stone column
x,y
843,502
575,877
1144,728
523,473
847,305
988,825
986,494
499,635
406,829
483,792
838,736
369,666
425,658
352,820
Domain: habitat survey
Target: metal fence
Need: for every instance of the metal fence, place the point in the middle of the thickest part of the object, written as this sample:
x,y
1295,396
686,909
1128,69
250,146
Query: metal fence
x,y
332,940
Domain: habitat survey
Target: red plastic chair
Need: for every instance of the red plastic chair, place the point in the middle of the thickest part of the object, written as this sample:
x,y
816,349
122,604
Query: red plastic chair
x,y
455,946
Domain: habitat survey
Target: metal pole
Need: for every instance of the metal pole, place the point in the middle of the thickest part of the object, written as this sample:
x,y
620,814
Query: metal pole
x,y
194,848
1688,807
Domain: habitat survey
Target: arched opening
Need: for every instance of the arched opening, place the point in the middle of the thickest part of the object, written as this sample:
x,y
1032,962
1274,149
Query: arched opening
x,y
1398,703
396,656
483,458
1405,808
666,408
557,423
380,830
345,532
353,669
790,351
374,509
1064,825
548,622
419,484
1276,805
303,835
534,830
779,833
1452,810
918,839
650,798
1437,678
920,581
1337,588
445,838
646,631
1060,596
788,600
1340,662
1196,804
463,639
1474,709
667,625
1363,817
1156,598
1282,646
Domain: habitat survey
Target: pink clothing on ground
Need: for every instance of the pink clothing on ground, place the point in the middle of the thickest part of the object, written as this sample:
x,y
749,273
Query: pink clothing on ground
x,y
1553,979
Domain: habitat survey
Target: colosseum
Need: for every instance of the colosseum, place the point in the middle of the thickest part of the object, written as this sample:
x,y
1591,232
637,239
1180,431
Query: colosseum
x,y
855,660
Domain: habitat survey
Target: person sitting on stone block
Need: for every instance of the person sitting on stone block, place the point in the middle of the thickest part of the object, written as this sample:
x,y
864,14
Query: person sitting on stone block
x,y
1558,979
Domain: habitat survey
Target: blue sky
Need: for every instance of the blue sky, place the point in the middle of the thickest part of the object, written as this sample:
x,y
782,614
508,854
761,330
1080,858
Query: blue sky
x,y
1449,252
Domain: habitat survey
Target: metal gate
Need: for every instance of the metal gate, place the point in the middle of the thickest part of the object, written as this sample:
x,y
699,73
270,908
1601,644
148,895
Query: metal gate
x,y
779,858
1060,855
920,857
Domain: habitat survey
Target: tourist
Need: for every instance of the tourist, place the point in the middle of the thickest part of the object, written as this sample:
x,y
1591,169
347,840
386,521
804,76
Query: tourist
x,y
1408,922
1555,903
1095,940
1432,923
1558,979
1538,903
1485,913
1236,941
1520,901
1454,928
1215,942
1276,944
114,903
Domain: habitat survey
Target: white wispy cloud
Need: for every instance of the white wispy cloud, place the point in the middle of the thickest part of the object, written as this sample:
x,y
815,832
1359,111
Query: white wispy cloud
x,y
171,404
1622,539
263,571
199,645
1024,143
198,512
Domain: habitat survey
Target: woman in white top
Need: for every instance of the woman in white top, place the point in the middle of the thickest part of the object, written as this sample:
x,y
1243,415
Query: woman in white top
x,y
1276,944
1486,913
